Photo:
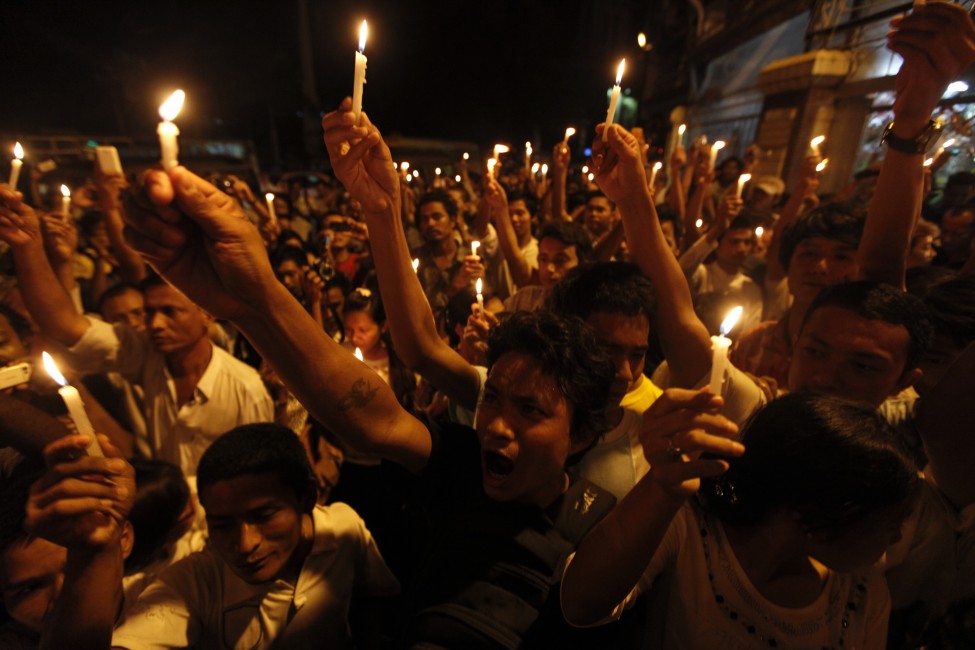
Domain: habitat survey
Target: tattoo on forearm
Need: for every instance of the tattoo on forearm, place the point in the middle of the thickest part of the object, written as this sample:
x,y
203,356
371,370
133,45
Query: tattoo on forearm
x,y
358,396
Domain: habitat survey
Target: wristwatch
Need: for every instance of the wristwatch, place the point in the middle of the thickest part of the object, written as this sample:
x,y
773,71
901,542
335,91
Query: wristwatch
x,y
919,144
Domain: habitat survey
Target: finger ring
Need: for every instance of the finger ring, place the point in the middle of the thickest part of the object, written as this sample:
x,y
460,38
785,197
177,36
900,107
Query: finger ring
x,y
672,450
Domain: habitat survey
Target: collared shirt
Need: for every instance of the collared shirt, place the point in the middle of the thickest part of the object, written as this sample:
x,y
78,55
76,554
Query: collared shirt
x,y
436,282
229,393
200,602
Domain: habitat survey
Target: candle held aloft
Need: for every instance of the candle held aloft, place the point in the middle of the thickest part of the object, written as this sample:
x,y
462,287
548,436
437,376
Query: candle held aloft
x,y
657,166
167,131
719,350
65,200
74,404
360,72
814,150
822,165
744,178
715,148
358,354
474,246
15,166
491,164
416,265
569,132
269,197
480,297
614,99
681,130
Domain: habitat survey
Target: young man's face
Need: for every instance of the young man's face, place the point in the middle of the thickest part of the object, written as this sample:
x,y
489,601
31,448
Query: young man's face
x,y
820,262
128,307
434,223
30,577
521,219
255,524
625,339
735,246
523,424
555,259
841,353
289,274
173,321
598,215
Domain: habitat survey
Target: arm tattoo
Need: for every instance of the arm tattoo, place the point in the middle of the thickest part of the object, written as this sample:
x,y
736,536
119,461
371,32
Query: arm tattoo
x,y
358,396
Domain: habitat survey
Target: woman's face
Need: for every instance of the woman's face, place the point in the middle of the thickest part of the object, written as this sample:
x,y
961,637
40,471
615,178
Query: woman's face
x,y
862,543
363,332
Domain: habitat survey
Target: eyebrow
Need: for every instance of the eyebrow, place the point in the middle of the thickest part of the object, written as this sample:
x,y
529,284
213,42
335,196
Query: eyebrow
x,y
858,355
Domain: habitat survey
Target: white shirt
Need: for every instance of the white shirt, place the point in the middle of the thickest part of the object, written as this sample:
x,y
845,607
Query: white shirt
x,y
716,292
200,602
230,393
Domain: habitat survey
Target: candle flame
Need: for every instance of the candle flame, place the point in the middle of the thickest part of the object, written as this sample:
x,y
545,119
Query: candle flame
x,y
18,152
585,169
759,231
948,143
269,196
569,132
478,286
927,163
641,39
409,178
535,168
681,129
821,166
590,177
500,149
363,33
358,354
744,178
416,172
437,171
657,166
731,320
699,223
474,246
528,145
171,107
52,369
619,71
545,168
466,156
416,264
65,192
818,140
718,145
457,178
491,164
404,166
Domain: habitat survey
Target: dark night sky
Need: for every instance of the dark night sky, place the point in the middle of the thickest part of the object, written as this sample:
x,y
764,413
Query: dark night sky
x,y
482,72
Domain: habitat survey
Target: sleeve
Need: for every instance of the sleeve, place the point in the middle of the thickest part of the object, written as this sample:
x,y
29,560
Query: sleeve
x,y
742,396
777,299
104,347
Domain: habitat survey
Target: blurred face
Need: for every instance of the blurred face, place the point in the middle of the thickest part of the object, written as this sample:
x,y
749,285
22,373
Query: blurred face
x,y
862,543
98,236
521,219
820,262
460,199
11,346
434,223
337,228
922,252
128,307
523,424
625,339
936,360
841,353
760,200
256,524
363,332
598,215
956,229
289,274
670,236
735,246
173,321
730,171
31,576
555,259
957,194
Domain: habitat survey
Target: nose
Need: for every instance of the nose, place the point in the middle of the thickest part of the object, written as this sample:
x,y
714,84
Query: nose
x,y
497,426
154,321
623,370
248,539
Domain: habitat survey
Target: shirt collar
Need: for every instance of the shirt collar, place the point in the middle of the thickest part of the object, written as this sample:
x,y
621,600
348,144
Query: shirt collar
x,y
205,386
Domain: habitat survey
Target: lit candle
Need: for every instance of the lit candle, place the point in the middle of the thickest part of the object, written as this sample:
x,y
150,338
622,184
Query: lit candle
x,y
269,197
474,246
715,148
759,231
942,148
500,149
699,223
416,265
358,354
167,130
492,162
590,177
409,178
614,99
653,172
585,170
15,166
360,72
437,171
681,130
814,149
528,155
719,350
466,156
822,165
569,132
928,162
457,178
744,178
544,171
480,297
535,168
65,200
76,407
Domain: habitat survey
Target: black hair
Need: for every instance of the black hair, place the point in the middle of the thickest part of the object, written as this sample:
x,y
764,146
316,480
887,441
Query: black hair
x,y
566,350
457,311
287,234
13,508
570,234
743,221
830,460
289,253
18,322
531,203
614,287
89,220
150,281
960,178
842,222
263,447
161,497
951,305
597,194
731,159
115,291
437,196
878,301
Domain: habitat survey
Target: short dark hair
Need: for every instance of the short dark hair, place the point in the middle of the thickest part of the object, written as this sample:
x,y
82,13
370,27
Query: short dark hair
x,y
161,496
150,281
289,254
260,448
831,460
598,194
115,291
742,222
437,196
879,301
951,305
614,287
842,222
566,350
570,234
18,322
531,203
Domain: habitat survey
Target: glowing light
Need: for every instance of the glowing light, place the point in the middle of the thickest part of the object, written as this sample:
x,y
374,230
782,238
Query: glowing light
x,y
358,354
818,140
18,152
641,40
699,223
457,178
535,168
52,369
466,156
171,107
416,264
619,71
681,129
731,320
821,166
363,33
759,231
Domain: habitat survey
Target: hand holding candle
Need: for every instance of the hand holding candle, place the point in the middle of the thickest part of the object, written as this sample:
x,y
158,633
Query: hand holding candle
x,y
15,166
719,350
167,130
360,72
76,407
657,166
614,99
273,216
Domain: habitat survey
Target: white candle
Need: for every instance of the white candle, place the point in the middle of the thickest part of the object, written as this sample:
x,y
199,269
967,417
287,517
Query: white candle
x,y
528,156
759,231
814,150
436,181
569,132
614,99
500,149
467,156
744,178
416,265
74,404
480,297
719,350
535,168
457,178
715,148
474,246
544,172
65,200
653,173
681,130
492,163
167,130
360,72
15,166
269,197
822,165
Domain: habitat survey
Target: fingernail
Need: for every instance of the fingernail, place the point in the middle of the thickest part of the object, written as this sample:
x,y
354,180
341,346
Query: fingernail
x,y
121,493
116,464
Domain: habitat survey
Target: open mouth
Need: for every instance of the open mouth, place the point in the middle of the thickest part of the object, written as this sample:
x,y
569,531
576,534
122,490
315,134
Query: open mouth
x,y
497,466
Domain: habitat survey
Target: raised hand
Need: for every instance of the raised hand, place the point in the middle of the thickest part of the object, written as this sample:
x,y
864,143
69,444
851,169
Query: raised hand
x,y
618,162
60,239
19,225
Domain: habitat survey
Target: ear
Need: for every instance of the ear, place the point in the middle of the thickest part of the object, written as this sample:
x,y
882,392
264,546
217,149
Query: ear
x,y
128,539
907,380
578,446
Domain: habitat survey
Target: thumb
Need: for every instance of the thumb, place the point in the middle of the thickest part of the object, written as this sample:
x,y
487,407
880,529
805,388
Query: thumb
x,y
207,206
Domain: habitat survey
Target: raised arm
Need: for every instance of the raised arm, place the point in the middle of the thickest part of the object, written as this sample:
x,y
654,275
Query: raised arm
x,y
47,301
369,176
807,184
621,176
496,201
198,238
937,41
560,175
131,266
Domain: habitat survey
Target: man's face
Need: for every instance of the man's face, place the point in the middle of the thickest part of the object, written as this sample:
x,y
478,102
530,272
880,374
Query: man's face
x,y
936,361
956,229
523,424
289,274
735,246
255,524
337,228
625,339
435,224
30,577
12,347
555,259
598,215
957,194
820,262
173,321
521,219
841,353
730,171
128,307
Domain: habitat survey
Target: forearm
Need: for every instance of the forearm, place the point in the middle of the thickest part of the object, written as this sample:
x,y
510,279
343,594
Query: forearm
x,y
45,298
692,214
558,194
521,270
604,249
26,428
613,556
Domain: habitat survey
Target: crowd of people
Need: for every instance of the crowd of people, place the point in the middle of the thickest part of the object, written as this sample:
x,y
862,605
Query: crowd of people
x,y
492,412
